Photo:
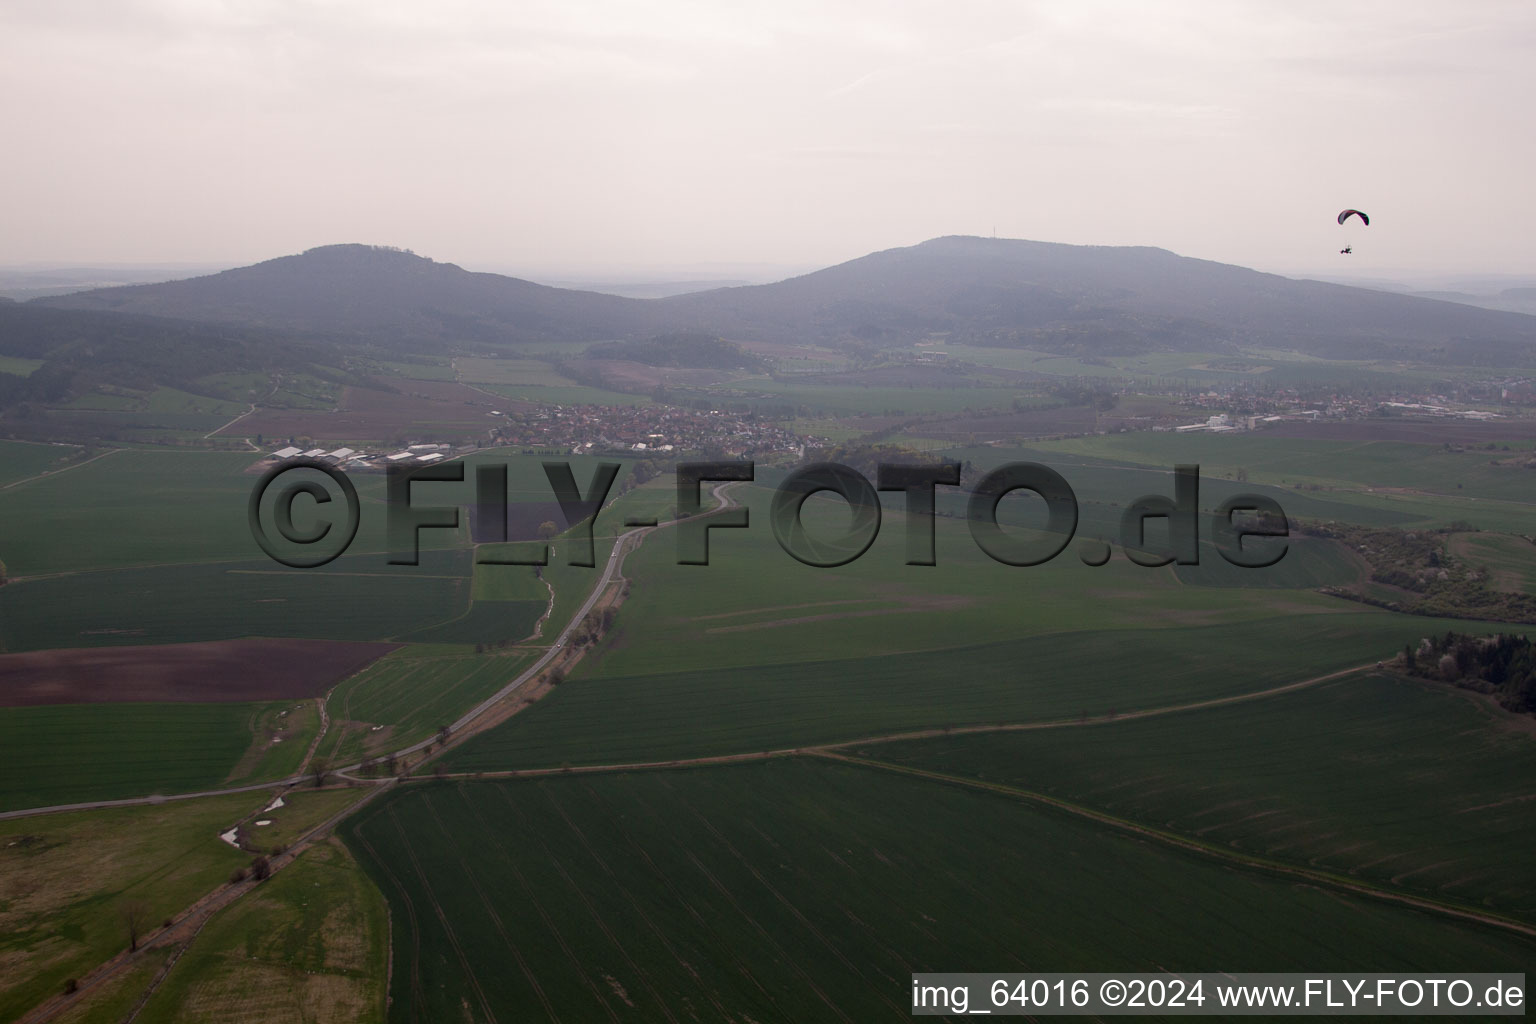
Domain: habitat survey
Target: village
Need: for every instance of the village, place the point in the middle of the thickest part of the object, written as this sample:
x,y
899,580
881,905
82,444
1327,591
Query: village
x,y
1242,407
583,430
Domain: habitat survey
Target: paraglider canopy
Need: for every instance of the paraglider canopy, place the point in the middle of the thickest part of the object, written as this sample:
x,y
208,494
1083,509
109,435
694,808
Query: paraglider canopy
x,y
1346,214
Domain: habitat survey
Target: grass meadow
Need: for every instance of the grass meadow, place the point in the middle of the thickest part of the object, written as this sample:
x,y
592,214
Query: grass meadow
x,y
408,695
20,460
308,944
71,753
1509,561
67,877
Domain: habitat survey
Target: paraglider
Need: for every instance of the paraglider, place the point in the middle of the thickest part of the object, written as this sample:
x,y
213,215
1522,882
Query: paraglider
x,y
1345,215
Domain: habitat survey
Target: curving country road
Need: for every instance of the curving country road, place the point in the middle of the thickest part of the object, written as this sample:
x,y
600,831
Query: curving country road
x,y
623,544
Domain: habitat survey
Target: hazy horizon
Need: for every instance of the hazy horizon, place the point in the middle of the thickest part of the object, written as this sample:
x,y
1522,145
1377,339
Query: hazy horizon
x,y
648,281
671,134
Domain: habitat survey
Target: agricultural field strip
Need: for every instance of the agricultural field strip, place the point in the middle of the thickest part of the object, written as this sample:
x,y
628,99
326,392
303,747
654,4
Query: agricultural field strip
x,y
56,472
1209,849
390,686
797,835
921,734
234,572
1131,458
624,543
831,750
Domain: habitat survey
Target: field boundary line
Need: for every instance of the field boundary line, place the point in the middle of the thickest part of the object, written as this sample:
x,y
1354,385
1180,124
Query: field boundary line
x,y
61,469
921,734
1253,862
713,759
1107,719
209,436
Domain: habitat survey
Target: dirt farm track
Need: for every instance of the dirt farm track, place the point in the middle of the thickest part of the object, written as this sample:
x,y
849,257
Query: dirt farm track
x,y
224,670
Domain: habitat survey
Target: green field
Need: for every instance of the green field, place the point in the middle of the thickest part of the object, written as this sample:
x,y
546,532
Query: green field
x,y
496,583
485,622
130,508
565,394
1118,483
1098,474
70,753
302,808
233,384
757,651
309,944
158,401
809,891
1059,676
406,696
424,370
783,889
1309,562
18,366
139,508
754,604
353,599
20,460
281,733
820,399
1380,777
1429,482
512,372
1272,368
1509,561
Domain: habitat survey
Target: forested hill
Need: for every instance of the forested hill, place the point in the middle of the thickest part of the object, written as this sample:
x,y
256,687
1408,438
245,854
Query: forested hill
x,y
1087,300
381,296
1099,300
82,349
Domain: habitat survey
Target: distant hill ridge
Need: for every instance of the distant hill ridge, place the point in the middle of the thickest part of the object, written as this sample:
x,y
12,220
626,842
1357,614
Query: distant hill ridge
x,y
1085,300
377,293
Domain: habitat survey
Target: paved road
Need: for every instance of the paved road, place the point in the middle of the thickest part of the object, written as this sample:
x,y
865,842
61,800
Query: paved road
x,y
625,543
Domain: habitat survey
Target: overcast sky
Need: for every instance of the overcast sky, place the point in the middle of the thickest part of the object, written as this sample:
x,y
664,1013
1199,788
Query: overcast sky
x,y
588,136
